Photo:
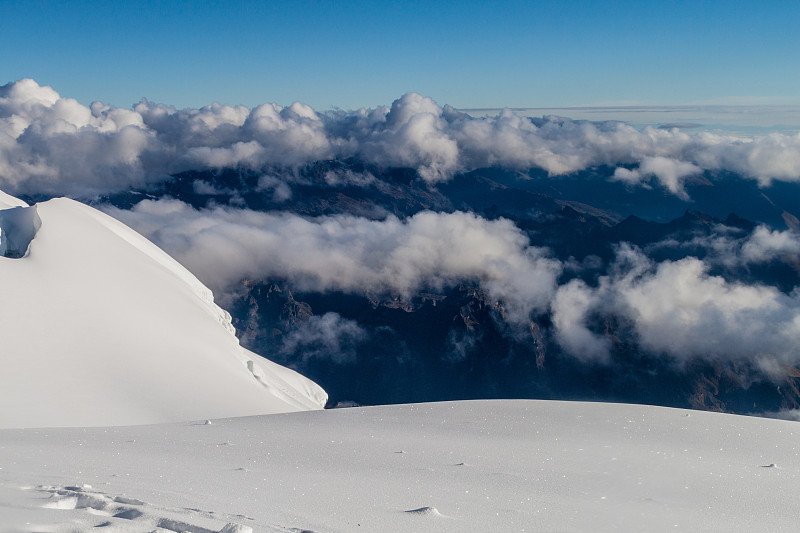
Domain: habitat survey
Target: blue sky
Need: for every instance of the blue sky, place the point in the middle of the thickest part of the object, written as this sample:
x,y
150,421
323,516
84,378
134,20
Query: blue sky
x,y
351,54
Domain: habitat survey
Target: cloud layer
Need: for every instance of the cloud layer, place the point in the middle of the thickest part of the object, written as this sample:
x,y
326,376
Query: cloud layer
x,y
428,251
676,308
55,145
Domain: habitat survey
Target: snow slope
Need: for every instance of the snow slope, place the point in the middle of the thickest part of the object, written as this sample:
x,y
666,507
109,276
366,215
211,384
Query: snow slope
x,y
451,467
100,327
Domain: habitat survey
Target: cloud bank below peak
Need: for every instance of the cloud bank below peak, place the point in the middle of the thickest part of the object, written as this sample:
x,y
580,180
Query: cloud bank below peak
x,y
683,308
50,144
678,308
392,257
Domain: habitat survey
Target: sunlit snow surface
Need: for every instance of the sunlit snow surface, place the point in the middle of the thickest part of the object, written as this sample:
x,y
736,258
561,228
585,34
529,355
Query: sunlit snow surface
x,y
98,326
463,466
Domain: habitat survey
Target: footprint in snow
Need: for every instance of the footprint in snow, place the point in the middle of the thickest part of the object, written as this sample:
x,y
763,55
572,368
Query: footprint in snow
x,y
118,510
129,514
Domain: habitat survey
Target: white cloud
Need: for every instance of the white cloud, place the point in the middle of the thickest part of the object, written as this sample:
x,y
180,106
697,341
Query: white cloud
x,y
429,251
681,310
672,308
571,305
670,173
765,245
733,248
50,144
677,308
55,145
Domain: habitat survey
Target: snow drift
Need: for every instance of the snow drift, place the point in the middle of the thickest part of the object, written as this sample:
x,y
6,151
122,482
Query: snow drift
x,y
100,327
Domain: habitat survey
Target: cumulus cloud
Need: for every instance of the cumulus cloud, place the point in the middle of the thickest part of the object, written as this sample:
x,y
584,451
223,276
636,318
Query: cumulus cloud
x,y
677,308
50,144
55,145
765,245
428,251
681,310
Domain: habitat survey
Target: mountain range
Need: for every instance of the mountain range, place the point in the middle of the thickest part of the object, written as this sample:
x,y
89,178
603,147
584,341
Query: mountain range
x,y
455,341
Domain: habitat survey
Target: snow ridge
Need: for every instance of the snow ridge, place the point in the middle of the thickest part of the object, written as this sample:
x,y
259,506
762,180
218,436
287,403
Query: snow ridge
x,y
100,327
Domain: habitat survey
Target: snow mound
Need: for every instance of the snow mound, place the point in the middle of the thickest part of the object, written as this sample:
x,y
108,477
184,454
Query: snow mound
x,y
100,327
425,511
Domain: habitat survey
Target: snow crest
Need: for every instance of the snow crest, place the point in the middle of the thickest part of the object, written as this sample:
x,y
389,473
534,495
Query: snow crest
x,y
100,327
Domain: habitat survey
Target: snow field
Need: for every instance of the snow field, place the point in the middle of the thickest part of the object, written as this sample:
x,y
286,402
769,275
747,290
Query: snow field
x,y
461,466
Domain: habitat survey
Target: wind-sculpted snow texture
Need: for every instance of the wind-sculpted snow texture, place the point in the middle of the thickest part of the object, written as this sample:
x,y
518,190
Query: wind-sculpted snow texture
x,y
98,326
54,145
449,467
